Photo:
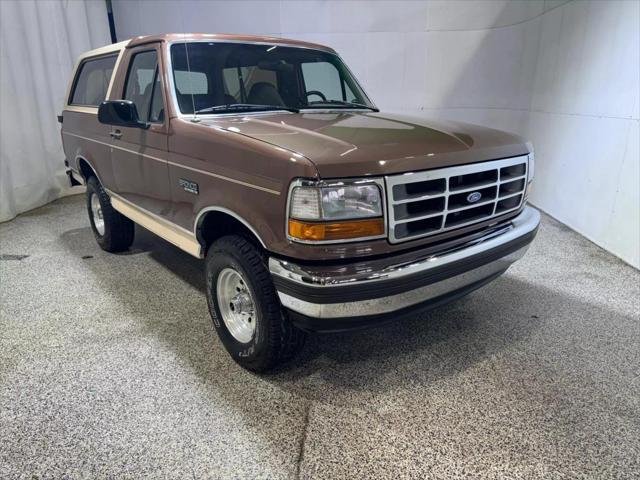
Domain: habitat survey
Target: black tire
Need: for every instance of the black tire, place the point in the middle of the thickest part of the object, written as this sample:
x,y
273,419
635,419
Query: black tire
x,y
275,339
118,231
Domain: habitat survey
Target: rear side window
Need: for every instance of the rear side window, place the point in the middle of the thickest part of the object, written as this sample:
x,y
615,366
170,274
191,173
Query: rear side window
x,y
143,86
92,81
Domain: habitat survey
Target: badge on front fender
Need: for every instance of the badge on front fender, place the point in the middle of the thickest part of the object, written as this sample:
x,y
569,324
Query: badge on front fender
x,y
188,186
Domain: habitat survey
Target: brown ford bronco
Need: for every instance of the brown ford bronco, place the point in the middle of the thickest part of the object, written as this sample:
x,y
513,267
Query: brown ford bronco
x,y
312,210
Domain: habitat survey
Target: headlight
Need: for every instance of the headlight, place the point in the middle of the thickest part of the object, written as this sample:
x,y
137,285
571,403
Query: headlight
x,y
337,211
336,202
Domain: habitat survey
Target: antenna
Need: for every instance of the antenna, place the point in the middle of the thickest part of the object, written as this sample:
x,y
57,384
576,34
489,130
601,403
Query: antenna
x,y
186,50
193,101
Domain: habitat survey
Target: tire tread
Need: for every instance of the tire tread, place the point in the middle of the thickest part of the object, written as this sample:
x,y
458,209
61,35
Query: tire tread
x,y
283,338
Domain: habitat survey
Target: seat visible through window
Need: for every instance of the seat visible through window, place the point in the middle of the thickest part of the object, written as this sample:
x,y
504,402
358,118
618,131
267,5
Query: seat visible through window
x,y
92,82
143,83
264,93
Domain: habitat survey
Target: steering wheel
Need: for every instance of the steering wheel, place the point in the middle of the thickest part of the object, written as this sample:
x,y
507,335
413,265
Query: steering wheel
x,y
316,92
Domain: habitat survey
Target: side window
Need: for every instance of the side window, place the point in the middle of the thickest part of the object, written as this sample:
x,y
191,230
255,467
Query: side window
x,y
92,81
140,81
323,77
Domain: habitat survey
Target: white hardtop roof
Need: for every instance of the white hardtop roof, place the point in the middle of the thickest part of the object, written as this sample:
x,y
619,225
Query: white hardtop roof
x,y
114,47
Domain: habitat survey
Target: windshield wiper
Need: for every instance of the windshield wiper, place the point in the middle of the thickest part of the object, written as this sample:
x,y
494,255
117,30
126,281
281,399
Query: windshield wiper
x,y
343,104
234,107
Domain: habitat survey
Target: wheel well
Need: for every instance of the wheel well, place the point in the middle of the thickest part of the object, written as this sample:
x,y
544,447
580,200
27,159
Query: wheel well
x,y
214,225
85,169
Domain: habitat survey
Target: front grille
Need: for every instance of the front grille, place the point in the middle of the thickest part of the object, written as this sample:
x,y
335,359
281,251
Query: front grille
x,y
431,202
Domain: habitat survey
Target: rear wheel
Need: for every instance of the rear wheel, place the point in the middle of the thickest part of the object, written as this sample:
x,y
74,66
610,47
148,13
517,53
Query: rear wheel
x,y
113,231
245,308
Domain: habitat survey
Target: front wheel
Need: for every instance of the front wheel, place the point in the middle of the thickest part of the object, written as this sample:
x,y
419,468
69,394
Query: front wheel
x,y
245,308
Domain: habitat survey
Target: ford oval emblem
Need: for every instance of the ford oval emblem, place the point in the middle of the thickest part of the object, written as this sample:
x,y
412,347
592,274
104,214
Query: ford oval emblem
x,y
473,197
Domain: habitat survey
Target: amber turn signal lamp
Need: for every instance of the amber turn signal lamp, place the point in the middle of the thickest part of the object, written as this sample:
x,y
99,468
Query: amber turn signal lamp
x,y
319,232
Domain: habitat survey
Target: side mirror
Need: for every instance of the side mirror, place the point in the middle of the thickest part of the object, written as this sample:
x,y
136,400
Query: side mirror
x,y
121,113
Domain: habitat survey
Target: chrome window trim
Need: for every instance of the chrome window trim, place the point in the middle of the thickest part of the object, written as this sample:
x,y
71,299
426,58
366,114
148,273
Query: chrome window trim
x,y
336,110
213,116
446,173
302,182
190,116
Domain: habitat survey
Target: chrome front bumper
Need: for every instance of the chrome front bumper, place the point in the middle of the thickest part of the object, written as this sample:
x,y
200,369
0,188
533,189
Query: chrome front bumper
x,y
376,288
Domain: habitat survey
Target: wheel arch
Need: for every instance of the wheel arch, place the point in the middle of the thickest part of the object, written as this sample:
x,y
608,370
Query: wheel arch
x,y
86,169
214,222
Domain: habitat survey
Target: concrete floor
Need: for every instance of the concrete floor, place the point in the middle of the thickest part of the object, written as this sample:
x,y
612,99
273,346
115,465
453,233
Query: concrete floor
x,y
110,368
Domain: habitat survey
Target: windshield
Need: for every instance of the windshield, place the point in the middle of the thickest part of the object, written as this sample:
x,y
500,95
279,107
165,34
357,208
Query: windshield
x,y
214,77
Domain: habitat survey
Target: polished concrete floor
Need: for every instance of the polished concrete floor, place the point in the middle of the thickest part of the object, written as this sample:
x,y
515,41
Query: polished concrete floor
x,y
109,368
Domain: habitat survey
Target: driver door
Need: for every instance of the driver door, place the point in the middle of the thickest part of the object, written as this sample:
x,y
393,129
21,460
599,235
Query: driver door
x,y
139,156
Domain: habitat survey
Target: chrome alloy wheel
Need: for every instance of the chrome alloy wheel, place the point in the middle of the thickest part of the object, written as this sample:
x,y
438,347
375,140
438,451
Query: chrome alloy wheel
x,y
236,305
96,211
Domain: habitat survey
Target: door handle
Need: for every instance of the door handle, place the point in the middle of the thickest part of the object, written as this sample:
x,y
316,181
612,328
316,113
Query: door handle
x,y
116,134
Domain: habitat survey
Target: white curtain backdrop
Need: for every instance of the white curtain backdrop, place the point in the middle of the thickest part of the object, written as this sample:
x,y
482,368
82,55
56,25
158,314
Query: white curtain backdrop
x,y
39,43
562,73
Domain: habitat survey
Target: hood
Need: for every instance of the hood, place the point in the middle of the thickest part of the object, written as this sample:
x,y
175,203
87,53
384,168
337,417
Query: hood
x,y
352,144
